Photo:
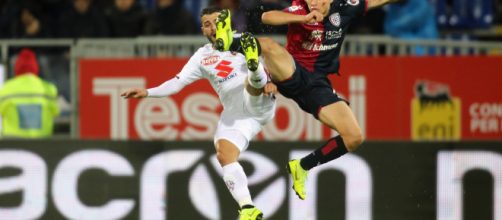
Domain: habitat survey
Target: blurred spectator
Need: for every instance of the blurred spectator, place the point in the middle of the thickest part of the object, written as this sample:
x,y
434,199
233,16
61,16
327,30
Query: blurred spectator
x,y
30,23
410,20
52,11
195,7
28,104
498,12
171,18
126,19
6,17
371,23
83,21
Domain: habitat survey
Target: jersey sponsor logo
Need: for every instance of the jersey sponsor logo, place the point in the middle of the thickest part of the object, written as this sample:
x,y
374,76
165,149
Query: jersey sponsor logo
x,y
231,76
210,60
294,8
353,2
316,35
335,19
224,68
330,35
318,46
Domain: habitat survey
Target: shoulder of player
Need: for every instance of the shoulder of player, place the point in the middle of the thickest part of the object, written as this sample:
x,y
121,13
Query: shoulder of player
x,y
203,51
207,48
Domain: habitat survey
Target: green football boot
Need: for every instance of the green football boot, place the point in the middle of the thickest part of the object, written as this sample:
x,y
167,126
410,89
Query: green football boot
x,y
250,48
249,212
299,176
224,33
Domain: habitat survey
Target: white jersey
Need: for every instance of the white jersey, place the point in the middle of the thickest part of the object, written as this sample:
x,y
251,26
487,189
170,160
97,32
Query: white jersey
x,y
226,71
243,114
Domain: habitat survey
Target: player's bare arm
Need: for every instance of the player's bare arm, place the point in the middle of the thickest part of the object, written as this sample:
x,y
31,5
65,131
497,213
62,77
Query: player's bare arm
x,y
282,18
379,3
136,93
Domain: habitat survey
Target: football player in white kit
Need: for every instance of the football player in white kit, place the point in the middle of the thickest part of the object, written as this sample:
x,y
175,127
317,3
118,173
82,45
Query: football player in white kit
x,y
246,107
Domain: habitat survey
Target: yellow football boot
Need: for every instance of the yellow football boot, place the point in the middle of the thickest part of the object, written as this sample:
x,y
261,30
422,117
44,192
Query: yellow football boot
x,y
249,212
224,33
250,48
299,176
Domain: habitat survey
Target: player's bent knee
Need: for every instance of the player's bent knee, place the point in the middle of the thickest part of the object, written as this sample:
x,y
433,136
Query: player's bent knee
x,y
224,158
226,152
353,141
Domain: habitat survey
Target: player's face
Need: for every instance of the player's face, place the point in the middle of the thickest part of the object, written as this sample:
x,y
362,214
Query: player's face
x,y
209,26
321,6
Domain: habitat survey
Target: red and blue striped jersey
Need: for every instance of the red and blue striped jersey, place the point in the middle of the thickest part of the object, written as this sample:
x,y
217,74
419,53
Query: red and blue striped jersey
x,y
316,46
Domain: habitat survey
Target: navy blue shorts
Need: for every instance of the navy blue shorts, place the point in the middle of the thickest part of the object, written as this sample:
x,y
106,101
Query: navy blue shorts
x,y
311,91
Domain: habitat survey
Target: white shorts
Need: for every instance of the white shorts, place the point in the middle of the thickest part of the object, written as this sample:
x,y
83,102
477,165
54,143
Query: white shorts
x,y
241,124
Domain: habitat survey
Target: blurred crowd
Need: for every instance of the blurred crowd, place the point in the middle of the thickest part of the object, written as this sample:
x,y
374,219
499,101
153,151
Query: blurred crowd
x,y
132,18
118,18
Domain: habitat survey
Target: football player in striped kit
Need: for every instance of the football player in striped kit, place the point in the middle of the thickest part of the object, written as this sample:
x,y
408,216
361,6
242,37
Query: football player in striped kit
x,y
316,30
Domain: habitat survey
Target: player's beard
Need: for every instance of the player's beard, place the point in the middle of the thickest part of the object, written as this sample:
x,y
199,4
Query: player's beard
x,y
209,39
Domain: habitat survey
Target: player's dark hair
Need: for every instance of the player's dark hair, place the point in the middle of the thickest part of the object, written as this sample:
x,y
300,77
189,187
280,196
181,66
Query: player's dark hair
x,y
209,10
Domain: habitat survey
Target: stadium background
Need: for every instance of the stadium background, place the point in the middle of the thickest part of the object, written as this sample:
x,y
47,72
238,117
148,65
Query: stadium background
x,y
431,110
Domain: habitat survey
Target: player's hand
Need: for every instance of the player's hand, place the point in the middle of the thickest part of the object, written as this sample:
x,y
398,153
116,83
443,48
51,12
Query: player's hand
x,y
270,89
135,93
313,17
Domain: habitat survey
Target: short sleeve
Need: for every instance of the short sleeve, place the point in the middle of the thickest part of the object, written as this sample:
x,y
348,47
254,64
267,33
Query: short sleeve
x,y
354,8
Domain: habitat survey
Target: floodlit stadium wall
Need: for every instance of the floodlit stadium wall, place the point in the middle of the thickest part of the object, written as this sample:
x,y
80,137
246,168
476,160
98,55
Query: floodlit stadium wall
x,y
181,180
393,98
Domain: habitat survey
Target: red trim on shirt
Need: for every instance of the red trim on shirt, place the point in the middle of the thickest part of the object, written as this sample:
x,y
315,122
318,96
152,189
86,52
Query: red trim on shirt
x,y
329,147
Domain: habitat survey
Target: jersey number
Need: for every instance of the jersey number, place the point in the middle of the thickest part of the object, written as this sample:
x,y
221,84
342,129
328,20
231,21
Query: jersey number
x,y
224,68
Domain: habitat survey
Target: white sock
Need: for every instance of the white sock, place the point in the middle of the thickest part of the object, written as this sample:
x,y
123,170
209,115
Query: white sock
x,y
237,183
258,78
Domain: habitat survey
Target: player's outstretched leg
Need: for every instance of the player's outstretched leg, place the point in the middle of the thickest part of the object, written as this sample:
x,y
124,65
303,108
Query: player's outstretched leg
x,y
299,176
224,33
249,212
234,176
250,47
236,182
